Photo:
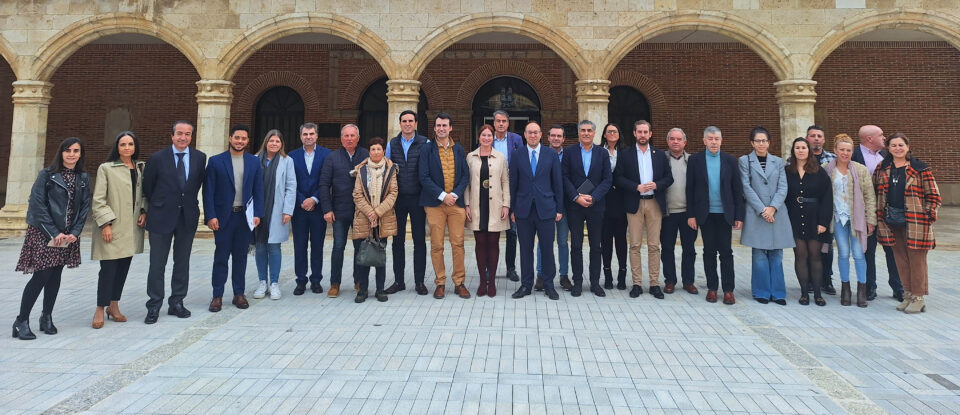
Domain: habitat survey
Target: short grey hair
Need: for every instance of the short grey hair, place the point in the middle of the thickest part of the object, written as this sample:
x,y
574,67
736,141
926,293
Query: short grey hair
x,y
681,133
348,126
501,112
711,130
587,122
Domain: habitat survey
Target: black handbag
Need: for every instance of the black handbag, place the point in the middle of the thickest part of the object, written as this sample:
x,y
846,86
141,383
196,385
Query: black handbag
x,y
895,216
373,251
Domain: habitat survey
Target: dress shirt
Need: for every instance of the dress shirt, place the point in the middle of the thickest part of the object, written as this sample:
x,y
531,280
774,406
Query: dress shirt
x,y
186,158
713,181
530,152
308,158
613,158
586,156
645,163
404,144
871,158
500,144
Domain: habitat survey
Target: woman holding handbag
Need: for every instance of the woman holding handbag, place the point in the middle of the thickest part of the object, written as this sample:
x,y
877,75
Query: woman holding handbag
x,y
907,203
487,201
374,220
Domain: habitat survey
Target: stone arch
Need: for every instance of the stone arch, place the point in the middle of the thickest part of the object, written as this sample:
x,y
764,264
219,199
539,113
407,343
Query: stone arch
x,y
233,57
549,96
461,28
349,97
8,54
63,45
940,25
762,42
252,92
432,91
642,83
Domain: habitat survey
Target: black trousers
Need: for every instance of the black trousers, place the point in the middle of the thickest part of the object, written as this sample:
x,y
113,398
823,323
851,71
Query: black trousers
x,y
409,205
46,280
113,274
673,224
362,273
593,216
893,276
717,236
182,240
510,256
614,234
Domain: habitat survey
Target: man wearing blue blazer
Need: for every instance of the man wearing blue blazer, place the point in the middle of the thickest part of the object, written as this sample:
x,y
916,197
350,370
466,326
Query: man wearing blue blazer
x,y
536,203
716,206
507,142
586,181
308,223
171,181
234,181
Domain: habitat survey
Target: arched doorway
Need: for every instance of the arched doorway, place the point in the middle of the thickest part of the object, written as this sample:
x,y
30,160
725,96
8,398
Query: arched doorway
x,y
627,106
508,93
279,108
374,113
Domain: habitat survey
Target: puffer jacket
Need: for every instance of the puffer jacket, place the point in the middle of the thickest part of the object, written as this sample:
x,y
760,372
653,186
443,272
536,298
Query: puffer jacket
x,y
47,210
388,197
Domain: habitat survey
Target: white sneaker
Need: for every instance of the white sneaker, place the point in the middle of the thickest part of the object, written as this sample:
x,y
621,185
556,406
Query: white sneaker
x,y
274,291
261,290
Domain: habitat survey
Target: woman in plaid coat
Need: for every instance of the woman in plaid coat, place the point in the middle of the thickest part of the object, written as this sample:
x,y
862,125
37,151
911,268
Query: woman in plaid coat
x,y
907,183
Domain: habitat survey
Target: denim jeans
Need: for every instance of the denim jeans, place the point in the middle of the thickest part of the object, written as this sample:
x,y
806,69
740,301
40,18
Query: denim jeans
x,y
847,244
341,230
563,254
268,254
767,274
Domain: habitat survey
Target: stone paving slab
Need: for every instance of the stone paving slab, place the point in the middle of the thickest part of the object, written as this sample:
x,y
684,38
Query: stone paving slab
x,y
414,354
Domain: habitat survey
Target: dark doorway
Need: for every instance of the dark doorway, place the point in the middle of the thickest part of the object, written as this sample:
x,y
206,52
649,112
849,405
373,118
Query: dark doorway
x,y
279,108
627,106
508,93
374,113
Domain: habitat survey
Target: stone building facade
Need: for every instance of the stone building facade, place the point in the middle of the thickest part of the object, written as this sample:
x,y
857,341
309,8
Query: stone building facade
x,y
93,68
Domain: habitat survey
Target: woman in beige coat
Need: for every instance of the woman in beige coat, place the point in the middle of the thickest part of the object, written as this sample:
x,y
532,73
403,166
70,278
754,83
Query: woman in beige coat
x,y
118,209
487,201
374,195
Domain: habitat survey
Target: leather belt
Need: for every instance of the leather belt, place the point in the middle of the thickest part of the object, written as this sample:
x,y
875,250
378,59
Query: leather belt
x,y
806,199
237,209
647,197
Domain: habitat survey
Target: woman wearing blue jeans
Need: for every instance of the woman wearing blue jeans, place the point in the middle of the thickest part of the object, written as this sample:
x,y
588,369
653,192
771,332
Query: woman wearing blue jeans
x,y
279,195
854,218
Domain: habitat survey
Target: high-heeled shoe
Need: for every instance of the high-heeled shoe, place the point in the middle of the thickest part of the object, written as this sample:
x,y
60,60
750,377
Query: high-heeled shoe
x,y
46,324
820,301
97,323
114,314
21,329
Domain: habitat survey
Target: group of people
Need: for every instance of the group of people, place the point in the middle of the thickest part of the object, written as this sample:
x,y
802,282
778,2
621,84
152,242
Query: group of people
x,y
622,193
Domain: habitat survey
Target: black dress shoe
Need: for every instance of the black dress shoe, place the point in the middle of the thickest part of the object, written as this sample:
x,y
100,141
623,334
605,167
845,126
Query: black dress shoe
x,y
636,291
301,288
21,330
46,324
316,288
512,274
565,283
152,315
597,290
762,300
780,301
656,292
828,288
898,295
538,285
521,292
422,289
178,310
381,296
552,294
871,294
395,288
576,290
361,296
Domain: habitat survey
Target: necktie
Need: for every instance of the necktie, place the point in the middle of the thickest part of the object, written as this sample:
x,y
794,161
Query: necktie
x,y
533,162
181,170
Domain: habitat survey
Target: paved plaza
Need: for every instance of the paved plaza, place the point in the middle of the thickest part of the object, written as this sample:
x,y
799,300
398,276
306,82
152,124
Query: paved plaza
x,y
417,355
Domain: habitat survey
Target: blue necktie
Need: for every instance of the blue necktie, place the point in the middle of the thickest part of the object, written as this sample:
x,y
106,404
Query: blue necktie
x,y
533,162
181,171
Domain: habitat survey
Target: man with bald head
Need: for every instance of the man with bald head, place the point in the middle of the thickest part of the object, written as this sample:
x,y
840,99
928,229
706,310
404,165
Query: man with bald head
x,y
870,153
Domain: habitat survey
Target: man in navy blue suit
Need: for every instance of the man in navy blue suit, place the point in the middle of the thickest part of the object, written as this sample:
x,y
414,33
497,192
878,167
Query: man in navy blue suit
x,y
308,223
234,181
536,203
171,181
507,142
586,181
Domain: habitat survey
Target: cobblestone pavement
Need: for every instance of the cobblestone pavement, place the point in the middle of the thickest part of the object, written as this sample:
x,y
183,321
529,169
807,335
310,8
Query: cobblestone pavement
x,y
414,354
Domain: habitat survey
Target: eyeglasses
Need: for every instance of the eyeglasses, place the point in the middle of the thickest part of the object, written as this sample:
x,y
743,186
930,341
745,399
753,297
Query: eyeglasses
x,y
761,141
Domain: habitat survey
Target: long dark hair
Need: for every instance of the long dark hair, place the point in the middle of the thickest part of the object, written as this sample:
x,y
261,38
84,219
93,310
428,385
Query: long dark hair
x,y
603,137
888,159
115,151
57,163
810,166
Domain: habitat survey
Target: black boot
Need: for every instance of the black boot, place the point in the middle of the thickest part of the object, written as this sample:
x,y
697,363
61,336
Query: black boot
x,y
608,278
622,279
46,324
21,329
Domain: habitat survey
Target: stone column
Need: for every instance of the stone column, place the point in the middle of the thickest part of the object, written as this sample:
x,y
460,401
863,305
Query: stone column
x,y
593,97
28,139
213,115
796,98
402,95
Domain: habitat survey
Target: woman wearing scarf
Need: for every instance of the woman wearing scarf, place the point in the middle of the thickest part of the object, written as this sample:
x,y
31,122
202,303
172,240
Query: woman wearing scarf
x,y
279,196
374,195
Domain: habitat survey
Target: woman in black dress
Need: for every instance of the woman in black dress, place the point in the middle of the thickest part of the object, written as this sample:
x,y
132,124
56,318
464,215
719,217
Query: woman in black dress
x,y
810,206
614,231
58,207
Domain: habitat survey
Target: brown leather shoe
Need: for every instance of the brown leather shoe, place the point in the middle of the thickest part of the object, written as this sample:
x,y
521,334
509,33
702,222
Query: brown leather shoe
x,y
241,302
439,293
216,304
728,298
334,291
670,288
690,288
711,296
462,291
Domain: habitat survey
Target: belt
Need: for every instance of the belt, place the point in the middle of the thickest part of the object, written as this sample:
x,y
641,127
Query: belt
x,y
647,197
237,209
806,199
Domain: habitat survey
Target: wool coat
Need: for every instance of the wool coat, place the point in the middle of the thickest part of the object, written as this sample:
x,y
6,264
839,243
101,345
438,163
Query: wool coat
x,y
921,199
284,200
762,188
114,203
499,190
388,197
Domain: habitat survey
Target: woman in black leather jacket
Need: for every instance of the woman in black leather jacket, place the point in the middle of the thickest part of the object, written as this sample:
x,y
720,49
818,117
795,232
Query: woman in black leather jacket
x,y
59,204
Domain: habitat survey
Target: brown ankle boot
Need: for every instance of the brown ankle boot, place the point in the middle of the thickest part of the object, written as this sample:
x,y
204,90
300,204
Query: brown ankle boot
x,y
861,294
845,293
907,299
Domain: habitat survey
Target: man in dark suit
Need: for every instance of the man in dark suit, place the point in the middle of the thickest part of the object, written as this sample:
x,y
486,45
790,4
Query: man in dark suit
x,y
870,153
715,205
307,221
586,181
536,203
404,151
234,184
337,179
171,181
644,174
507,142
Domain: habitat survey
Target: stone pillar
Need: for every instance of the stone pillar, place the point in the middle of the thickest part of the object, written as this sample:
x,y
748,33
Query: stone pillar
x,y
402,95
213,115
593,97
796,98
28,139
